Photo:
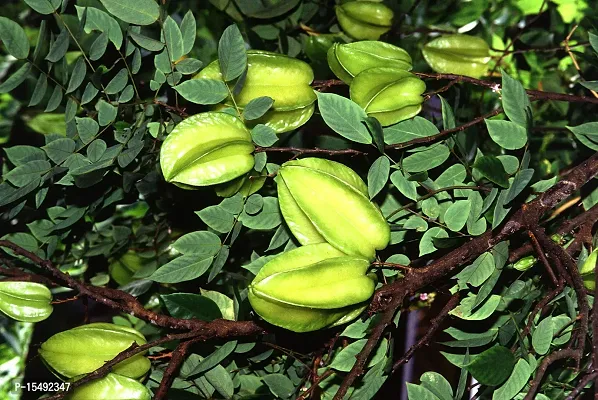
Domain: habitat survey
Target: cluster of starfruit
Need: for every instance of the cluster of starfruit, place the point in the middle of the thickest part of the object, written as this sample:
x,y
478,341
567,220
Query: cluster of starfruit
x,y
323,283
379,79
215,148
458,54
72,354
25,301
364,19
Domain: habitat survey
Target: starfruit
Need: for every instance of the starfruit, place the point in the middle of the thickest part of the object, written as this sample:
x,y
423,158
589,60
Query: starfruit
x,y
348,60
123,269
111,387
285,79
525,263
25,301
325,201
86,348
388,94
458,54
311,287
206,149
588,270
364,19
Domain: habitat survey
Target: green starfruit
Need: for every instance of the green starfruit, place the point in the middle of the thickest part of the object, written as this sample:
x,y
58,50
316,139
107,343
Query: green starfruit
x,y
284,79
348,60
123,269
86,348
207,149
325,201
588,269
364,19
311,287
458,54
111,387
390,95
525,263
25,301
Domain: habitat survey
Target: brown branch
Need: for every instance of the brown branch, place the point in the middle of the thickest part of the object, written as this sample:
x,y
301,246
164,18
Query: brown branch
x,y
435,324
178,357
445,133
539,308
581,385
542,257
299,151
123,355
546,362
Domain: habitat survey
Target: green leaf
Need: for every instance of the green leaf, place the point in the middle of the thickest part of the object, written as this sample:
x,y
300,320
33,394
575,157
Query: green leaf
x,y
21,154
203,91
55,99
98,47
406,187
106,113
268,218
500,211
254,204
188,306
280,386
448,117
516,382
96,150
263,135
14,38
492,169
59,46
257,107
344,117
426,244
410,129
416,392
477,272
201,243
215,358
507,134
41,86
44,6
466,311
8,194
345,359
59,149
173,39
23,174
437,384
542,336
375,129
98,20
515,101
87,129
127,94
188,66
16,79
117,83
77,76
266,10
188,31
138,12
493,366
146,42
456,215
521,180
232,55
587,134
217,218
221,380
181,269
378,175
427,159
89,93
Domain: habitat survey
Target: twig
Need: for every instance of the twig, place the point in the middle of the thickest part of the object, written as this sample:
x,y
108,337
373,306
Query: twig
x,y
572,57
581,385
542,257
178,356
546,362
299,151
435,324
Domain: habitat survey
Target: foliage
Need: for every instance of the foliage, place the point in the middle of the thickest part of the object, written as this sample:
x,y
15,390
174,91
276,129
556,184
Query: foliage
x,y
122,187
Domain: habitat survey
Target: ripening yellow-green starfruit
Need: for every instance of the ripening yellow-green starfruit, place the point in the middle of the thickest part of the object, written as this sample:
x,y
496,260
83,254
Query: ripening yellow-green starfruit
x,y
25,301
364,19
348,60
458,54
388,94
284,79
86,348
325,201
311,287
207,149
111,387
